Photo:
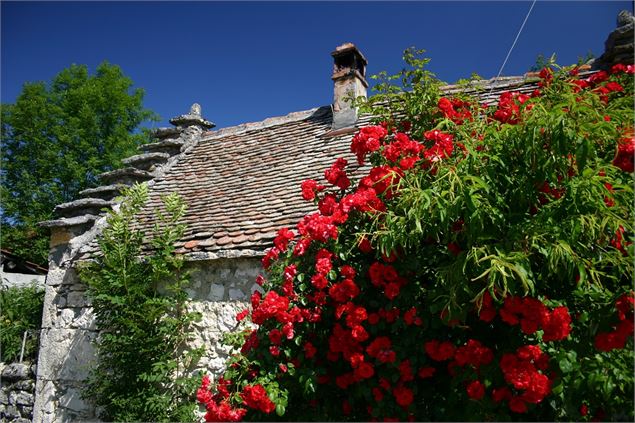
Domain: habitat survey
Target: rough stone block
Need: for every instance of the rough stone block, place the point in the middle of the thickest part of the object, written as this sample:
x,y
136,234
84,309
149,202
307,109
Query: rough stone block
x,y
55,276
24,385
84,318
65,318
66,354
237,294
46,397
217,365
245,272
72,400
60,237
11,411
4,399
70,277
216,292
16,371
76,299
23,398
48,418
226,315
49,310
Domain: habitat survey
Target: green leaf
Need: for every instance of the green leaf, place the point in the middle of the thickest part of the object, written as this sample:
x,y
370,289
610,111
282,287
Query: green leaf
x,y
582,153
280,410
565,365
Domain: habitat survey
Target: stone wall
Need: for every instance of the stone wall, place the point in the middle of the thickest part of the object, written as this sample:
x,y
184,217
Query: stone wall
x,y
20,280
219,289
619,47
17,383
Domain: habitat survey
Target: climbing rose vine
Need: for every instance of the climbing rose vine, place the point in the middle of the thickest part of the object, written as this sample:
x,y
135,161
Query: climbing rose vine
x,y
471,262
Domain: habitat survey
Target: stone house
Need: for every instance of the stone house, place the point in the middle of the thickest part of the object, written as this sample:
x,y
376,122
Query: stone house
x,y
241,184
18,272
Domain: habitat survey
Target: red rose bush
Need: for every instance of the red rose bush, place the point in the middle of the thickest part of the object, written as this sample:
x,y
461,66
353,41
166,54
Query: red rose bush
x,y
471,265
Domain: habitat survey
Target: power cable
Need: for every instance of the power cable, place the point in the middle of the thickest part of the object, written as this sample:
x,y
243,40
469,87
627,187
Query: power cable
x,y
513,45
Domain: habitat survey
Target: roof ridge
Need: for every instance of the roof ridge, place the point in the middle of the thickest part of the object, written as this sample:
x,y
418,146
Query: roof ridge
x,y
265,123
500,82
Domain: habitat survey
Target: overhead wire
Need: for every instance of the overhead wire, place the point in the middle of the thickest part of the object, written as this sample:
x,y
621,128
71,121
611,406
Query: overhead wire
x,y
513,45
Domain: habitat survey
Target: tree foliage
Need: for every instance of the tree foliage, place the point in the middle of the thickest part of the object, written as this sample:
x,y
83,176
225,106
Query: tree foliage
x,y
20,311
56,139
140,309
478,268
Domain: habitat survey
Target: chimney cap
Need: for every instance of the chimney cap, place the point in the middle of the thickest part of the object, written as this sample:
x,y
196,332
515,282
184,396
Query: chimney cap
x,y
348,48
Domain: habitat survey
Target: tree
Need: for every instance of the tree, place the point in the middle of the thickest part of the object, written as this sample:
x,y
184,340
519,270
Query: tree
x,y
56,139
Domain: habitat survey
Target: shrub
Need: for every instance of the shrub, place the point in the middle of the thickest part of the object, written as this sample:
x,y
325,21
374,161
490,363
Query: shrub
x,y
139,303
480,268
20,311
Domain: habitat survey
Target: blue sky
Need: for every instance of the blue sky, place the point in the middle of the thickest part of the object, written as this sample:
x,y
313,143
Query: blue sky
x,y
245,61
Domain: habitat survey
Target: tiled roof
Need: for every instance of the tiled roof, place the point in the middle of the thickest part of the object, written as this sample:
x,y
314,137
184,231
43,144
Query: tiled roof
x,y
242,184
240,187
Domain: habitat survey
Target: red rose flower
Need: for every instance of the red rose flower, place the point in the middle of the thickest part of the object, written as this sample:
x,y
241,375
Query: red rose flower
x,y
364,371
309,350
241,316
475,390
439,351
255,396
403,396
584,410
517,405
426,372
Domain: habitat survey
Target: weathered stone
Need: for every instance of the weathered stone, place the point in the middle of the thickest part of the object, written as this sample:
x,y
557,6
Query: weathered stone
x,y
49,313
625,17
24,385
216,293
146,161
45,399
167,132
126,175
23,398
193,118
81,221
69,354
47,418
22,419
73,401
82,207
625,48
4,399
66,317
169,146
236,294
227,316
11,411
247,272
16,371
76,299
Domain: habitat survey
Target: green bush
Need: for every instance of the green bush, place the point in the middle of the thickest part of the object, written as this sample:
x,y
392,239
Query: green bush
x,y
480,268
140,310
20,311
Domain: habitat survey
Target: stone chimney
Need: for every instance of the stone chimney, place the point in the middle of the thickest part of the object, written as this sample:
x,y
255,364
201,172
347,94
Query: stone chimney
x,y
619,46
349,77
